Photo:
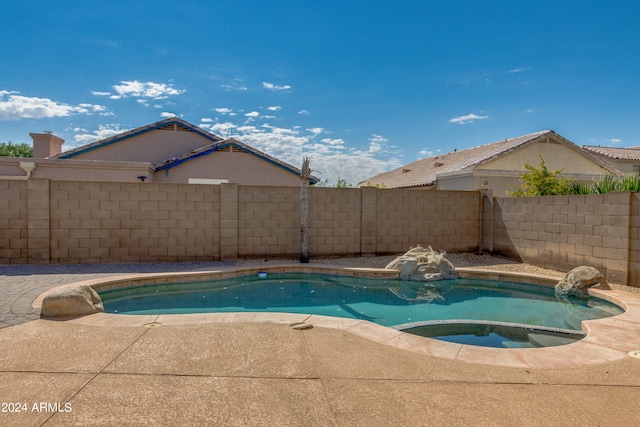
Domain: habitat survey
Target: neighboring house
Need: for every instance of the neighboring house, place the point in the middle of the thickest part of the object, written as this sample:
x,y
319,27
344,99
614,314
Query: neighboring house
x,y
171,150
626,160
495,166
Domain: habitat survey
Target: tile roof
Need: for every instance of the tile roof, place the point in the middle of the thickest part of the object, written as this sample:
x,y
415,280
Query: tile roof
x,y
137,131
630,153
423,172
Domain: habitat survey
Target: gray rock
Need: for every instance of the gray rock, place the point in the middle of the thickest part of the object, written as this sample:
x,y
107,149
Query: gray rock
x,y
75,301
578,280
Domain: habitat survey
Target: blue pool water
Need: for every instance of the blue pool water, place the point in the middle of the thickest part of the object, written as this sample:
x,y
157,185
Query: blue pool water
x,y
385,302
488,334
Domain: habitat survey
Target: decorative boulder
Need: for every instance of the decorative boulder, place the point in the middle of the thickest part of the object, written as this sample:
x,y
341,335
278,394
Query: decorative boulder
x,y
423,265
76,301
406,264
580,279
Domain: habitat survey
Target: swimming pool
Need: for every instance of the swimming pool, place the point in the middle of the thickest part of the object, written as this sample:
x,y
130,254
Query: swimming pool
x,y
385,302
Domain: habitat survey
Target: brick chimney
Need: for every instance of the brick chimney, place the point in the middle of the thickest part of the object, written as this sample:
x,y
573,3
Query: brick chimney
x,y
46,145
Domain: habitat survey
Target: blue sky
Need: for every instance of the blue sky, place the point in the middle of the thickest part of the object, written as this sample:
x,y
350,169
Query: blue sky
x,y
358,86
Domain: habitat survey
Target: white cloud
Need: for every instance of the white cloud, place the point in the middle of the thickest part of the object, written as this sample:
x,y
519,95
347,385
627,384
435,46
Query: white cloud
x,y
96,93
331,158
316,131
104,131
93,108
248,129
333,141
274,108
234,87
236,84
376,143
223,129
223,110
150,90
303,112
425,153
166,115
469,118
614,141
272,86
16,107
253,114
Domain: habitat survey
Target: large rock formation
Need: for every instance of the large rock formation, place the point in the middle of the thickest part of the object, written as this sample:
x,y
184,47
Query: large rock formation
x,y
580,279
423,265
75,301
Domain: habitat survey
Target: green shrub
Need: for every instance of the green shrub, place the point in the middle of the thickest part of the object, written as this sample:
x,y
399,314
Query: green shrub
x,y
608,184
15,150
542,182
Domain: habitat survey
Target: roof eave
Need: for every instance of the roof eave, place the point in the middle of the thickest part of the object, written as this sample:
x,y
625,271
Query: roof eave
x,y
135,132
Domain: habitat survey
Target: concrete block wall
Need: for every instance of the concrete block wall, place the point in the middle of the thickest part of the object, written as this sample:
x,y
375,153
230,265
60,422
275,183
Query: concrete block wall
x,y
100,222
355,222
634,241
335,221
47,221
14,229
487,227
618,239
38,217
446,220
268,222
562,232
44,221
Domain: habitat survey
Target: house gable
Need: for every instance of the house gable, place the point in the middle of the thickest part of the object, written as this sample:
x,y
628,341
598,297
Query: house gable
x,y
231,160
424,172
173,150
558,154
152,143
503,158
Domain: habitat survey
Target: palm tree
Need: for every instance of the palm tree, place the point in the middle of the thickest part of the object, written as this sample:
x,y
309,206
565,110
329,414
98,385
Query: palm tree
x,y
305,174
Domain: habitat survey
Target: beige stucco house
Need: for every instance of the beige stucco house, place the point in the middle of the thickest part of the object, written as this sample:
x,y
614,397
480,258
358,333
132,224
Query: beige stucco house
x,y
171,150
626,160
496,166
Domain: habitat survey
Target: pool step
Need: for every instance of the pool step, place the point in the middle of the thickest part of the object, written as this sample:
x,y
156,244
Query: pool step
x,y
545,340
614,311
573,322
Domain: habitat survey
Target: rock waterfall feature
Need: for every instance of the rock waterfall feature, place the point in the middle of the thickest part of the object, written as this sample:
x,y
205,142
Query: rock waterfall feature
x,y
580,279
423,264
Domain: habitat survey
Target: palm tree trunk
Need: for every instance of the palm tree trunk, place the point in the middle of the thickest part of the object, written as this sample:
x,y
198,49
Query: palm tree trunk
x,y
304,211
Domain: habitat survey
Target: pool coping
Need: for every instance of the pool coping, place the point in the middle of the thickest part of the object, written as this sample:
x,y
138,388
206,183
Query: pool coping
x,y
607,340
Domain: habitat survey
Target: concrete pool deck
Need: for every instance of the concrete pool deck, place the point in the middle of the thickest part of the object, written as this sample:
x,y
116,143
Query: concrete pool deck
x,y
172,370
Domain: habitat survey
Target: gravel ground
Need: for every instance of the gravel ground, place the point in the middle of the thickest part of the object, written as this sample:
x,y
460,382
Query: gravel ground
x,y
489,262
459,260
